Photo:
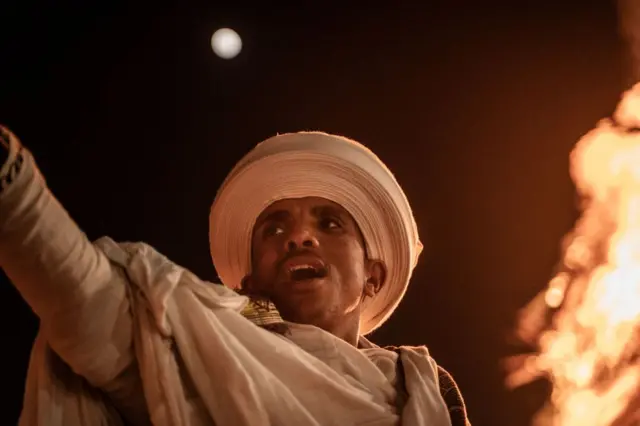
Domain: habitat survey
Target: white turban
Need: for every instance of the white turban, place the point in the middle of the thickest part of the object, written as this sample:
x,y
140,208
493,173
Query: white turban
x,y
314,164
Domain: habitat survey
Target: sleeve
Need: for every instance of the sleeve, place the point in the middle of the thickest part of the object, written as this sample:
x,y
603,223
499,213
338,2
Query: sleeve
x,y
453,398
78,294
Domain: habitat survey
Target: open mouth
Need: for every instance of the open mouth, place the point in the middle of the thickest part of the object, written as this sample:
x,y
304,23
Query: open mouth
x,y
306,271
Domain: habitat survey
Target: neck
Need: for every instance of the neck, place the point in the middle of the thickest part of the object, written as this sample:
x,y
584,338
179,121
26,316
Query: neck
x,y
349,331
346,328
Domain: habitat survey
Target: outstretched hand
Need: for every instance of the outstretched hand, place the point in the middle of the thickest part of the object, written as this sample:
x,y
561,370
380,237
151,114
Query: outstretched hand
x,y
4,144
11,158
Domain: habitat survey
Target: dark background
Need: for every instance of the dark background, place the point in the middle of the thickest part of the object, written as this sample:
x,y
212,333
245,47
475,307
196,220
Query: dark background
x,y
135,122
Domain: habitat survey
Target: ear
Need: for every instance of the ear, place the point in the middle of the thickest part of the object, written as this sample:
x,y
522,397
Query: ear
x,y
251,289
246,285
376,277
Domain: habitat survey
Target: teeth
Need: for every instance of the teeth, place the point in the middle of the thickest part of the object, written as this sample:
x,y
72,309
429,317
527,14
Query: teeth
x,y
299,267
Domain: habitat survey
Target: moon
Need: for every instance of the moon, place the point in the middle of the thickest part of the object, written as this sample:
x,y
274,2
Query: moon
x,y
226,43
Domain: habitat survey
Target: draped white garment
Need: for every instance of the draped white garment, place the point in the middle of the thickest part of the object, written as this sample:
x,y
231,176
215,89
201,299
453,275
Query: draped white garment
x,y
242,374
127,334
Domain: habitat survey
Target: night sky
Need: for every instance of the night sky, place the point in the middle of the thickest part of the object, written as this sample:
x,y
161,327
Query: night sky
x,y
135,123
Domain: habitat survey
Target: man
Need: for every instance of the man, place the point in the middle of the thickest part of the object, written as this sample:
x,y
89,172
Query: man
x,y
316,233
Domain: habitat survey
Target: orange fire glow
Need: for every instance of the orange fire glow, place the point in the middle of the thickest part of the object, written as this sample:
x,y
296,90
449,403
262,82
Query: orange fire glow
x,y
591,350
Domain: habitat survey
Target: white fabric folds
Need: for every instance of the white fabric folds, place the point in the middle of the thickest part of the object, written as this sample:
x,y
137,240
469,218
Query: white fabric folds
x,y
315,164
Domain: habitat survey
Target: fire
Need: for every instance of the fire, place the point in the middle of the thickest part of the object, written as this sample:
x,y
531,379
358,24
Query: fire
x,y
591,350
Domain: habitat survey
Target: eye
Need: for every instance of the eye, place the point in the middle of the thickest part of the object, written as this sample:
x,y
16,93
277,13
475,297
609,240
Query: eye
x,y
273,230
330,223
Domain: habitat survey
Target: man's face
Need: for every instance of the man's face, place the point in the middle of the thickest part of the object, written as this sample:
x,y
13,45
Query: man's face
x,y
308,258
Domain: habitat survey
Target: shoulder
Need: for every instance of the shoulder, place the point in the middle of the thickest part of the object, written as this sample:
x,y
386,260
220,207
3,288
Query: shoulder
x,y
124,252
453,398
156,278
142,262
448,387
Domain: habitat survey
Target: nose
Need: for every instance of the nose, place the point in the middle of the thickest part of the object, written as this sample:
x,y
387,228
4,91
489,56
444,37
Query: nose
x,y
301,237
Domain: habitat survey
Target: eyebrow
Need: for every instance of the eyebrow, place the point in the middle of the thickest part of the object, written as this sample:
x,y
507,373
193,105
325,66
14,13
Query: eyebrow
x,y
329,209
274,216
317,211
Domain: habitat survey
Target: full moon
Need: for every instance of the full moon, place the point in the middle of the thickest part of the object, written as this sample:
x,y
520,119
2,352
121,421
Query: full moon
x,y
226,43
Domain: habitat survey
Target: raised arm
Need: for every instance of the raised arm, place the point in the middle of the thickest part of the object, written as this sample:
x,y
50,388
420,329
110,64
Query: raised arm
x,y
79,296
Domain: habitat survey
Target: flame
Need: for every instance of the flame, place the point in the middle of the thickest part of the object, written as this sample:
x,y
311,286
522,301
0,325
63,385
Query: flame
x,y
591,350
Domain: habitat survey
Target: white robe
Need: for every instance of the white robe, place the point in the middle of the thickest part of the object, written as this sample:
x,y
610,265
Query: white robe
x,y
126,333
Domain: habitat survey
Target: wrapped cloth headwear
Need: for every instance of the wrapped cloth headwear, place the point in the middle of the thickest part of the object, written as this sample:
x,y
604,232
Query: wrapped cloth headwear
x,y
315,164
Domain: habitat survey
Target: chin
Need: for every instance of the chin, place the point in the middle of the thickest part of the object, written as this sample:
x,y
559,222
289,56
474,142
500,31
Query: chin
x,y
305,314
